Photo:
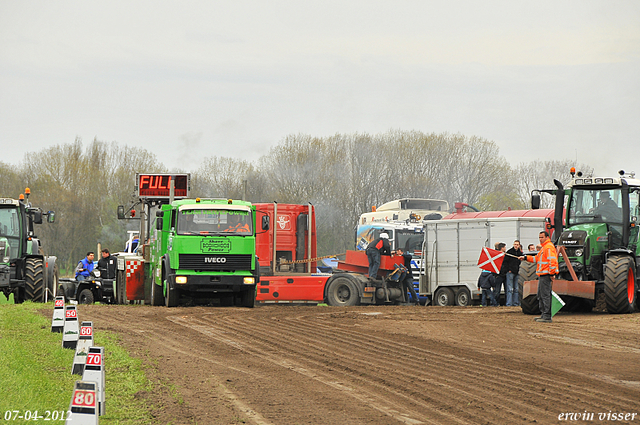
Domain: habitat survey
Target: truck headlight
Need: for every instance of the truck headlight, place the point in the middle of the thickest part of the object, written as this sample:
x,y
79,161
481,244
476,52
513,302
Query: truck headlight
x,y
5,260
181,279
249,280
579,252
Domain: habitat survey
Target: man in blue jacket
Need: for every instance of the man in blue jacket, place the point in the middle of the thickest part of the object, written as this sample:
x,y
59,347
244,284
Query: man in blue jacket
x,y
84,267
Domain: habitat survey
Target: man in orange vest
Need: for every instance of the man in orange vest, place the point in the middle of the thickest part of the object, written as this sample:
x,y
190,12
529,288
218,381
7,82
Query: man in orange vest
x,y
546,269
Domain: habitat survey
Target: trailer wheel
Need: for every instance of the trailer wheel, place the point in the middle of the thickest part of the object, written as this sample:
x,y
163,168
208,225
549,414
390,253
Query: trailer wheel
x,y
620,285
527,272
34,280
342,292
463,297
443,297
173,295
86,297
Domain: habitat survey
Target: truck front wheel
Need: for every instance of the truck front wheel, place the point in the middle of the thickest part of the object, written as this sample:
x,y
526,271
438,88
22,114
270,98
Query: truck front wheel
x,y
173,295
342,292
248,298
620,285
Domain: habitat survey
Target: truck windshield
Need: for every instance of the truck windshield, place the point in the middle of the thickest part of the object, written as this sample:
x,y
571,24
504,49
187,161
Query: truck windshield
x,y
595,205
409,241
211,221
10,229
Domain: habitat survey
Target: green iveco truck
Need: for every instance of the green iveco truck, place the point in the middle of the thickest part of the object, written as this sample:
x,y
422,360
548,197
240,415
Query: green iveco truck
x,y
204,248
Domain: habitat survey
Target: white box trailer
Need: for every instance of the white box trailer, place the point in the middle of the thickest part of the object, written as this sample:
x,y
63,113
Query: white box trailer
x,y
449,263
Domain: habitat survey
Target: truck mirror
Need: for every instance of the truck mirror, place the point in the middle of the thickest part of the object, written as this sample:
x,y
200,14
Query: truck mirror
x,y
120,212
51,217
159,223
265,222
37,217
535,202
159,213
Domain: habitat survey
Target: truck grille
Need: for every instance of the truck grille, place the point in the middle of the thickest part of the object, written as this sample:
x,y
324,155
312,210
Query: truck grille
x,y
212,262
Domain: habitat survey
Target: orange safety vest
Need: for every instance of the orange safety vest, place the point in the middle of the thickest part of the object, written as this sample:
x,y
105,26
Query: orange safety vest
x,y
546,260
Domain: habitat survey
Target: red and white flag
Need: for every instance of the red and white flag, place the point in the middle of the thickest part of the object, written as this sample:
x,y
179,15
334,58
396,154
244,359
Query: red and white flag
x,y
490,259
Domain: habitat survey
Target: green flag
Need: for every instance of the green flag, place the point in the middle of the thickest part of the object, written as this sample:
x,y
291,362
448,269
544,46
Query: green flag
x,y
556,303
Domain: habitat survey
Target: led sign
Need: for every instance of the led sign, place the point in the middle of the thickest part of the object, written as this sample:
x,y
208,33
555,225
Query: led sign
x,y
158,186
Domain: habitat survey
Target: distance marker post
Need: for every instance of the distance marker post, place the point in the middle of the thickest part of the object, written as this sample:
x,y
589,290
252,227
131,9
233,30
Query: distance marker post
x,y
84,404
85,341
71,332
94,372
57,321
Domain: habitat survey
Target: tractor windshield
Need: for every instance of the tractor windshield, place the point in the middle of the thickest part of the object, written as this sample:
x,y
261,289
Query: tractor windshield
x,y
591,205
213,221
10,229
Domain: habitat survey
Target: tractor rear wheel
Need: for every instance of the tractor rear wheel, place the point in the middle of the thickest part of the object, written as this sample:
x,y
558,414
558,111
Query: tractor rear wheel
x,y
527,272
620,285
342,292
34,280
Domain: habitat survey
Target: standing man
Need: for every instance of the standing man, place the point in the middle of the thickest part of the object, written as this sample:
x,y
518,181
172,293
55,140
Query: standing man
x,y
408,279
500,277
376,248
84,267
511,265
546,269
107,265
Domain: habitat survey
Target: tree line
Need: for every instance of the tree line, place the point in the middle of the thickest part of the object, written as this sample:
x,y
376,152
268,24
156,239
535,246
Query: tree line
x,y
342,176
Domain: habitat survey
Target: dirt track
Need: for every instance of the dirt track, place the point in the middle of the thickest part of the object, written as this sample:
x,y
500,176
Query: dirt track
x,y
380,365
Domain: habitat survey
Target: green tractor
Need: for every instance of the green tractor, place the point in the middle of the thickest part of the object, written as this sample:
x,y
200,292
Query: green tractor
x,y
600,244
24,270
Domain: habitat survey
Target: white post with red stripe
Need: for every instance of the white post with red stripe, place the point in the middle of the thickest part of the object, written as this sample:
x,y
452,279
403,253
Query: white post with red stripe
x,y
94,372
71,331
84,404
57,321
85,341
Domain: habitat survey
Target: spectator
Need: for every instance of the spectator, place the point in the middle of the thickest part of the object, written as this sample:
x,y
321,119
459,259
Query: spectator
x,y
107,265
486,282
84,267
499,277
511,265
531,247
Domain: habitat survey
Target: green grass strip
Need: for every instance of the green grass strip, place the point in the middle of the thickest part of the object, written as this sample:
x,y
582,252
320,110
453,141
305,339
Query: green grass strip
x,y
35,371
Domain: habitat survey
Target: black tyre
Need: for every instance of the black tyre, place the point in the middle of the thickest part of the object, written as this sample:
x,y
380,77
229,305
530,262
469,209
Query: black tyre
x,y
173,294
530,305
342,292
34,280
52,276
620,285
86,297
248,298
463,297
121,287
443,297
18,296
156,293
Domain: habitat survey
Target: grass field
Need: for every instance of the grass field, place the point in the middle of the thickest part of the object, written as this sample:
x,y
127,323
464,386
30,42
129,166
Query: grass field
x,y
35,371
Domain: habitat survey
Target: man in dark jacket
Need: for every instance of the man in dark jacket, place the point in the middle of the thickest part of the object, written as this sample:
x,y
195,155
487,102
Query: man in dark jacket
x,y
510,266
408,278
107,265
376,248
486,282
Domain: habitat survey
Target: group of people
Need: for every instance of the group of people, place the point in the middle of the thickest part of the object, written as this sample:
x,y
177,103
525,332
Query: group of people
x,y
546,260
106,265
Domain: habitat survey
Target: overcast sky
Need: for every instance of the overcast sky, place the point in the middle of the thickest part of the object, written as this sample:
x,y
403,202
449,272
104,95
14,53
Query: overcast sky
x,y
192,79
